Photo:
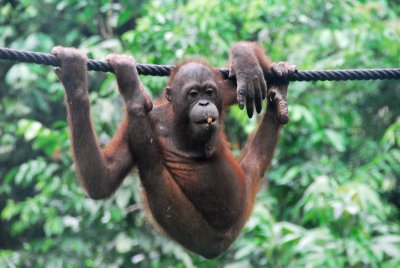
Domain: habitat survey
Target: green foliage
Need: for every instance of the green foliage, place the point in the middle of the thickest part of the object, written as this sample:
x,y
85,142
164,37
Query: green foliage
x,y
333,197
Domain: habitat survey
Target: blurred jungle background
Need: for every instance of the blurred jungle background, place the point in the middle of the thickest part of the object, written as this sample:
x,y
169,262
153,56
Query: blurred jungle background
x,y
332,196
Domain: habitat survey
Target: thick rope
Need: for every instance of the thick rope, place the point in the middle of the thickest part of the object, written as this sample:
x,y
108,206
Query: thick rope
x,y
164,70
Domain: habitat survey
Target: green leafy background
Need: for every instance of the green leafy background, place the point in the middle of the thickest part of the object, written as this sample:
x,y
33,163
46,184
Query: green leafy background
x,y
332,195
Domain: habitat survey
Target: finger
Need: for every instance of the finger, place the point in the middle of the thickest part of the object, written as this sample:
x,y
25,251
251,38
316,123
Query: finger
x,y
231,72
58,72
250,100
241,94
284,69
276,69
109,57
292,68
282,109
263,87
257,95
271,95
56,50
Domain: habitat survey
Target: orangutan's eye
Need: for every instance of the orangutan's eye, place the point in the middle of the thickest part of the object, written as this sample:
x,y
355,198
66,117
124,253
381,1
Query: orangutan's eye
x,y
193,93
209,91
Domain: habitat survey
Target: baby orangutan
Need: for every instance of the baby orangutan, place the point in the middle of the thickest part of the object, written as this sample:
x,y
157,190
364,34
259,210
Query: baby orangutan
x,y
197,192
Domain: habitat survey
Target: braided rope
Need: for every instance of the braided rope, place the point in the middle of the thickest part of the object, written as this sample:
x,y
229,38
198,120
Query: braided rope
x,y
164,70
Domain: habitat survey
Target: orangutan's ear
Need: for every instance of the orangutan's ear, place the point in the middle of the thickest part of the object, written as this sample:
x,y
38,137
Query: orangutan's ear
x,y
168,93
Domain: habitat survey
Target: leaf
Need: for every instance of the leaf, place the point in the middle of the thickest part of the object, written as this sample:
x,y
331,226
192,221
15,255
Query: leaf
x,y
290,174
336,140
54,226
245,251
389,244
123,243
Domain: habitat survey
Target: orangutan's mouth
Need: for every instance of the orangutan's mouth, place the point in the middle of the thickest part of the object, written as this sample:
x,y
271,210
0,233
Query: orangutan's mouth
x,y
209,120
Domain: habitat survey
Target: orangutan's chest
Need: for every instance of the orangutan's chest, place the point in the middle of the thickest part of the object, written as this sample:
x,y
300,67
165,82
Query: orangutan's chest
x,y
202,182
